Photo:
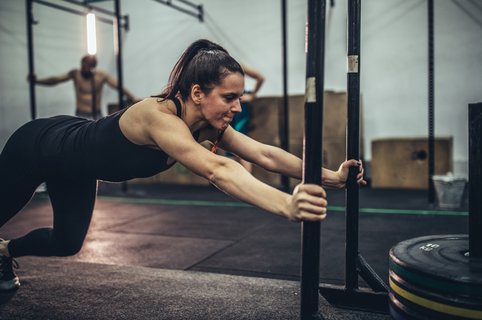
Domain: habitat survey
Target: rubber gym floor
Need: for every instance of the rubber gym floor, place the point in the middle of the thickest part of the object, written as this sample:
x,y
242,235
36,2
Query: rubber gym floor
x,y
192,252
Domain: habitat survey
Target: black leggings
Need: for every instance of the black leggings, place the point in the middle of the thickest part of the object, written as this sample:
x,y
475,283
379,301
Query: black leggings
x,y
72,201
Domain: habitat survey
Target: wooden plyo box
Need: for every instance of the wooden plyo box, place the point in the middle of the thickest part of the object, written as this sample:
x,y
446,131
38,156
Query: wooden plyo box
x,y
402,163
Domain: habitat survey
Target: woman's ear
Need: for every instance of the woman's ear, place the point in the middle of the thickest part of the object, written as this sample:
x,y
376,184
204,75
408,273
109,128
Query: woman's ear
x,y
196,94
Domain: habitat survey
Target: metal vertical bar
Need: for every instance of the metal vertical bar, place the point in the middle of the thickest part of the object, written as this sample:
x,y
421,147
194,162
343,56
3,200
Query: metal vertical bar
x,y
352,142
283,118
350,296
31,69
119,54
431,148
312,153
94,98
475,176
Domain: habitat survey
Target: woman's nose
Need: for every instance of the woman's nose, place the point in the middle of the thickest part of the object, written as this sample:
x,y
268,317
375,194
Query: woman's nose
x,y
237,107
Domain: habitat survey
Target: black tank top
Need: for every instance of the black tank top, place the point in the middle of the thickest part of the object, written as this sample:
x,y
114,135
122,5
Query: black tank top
x,y
77,148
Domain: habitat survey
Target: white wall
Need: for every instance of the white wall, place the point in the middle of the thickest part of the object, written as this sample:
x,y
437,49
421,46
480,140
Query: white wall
x,y
394,69
393,59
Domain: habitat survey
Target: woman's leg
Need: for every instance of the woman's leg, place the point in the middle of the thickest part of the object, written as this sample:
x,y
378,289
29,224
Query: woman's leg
x,y
17,185
73,203
16,189
14,196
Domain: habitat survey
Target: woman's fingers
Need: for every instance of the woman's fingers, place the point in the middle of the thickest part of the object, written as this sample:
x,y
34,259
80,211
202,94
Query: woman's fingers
x,y
312,189
309,203
361,171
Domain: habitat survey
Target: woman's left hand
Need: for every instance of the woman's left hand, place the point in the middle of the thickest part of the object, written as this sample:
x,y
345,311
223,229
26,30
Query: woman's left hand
x,y
342,172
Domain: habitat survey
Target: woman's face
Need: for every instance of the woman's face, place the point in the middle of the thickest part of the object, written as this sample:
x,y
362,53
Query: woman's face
x,y
220,106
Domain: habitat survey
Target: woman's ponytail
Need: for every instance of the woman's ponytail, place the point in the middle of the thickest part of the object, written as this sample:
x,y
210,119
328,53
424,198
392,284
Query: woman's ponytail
x,y
204,63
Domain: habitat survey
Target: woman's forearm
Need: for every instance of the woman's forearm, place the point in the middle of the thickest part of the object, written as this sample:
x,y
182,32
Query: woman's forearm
x,y
234,180
307,202
331,179
282,162
279,161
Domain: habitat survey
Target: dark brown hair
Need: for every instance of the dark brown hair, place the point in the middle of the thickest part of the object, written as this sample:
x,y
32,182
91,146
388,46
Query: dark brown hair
x,y
204,63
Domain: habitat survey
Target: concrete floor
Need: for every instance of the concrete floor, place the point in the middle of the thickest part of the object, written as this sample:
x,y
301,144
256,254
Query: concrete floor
x,y
177,252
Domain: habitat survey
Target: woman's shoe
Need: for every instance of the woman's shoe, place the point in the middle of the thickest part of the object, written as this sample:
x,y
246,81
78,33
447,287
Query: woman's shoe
x,y
8,278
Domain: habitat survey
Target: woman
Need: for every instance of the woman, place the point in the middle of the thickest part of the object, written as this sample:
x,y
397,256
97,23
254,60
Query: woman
x,y
70,154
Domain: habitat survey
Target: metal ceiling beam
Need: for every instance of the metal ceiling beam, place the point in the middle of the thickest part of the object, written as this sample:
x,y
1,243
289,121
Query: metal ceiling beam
x,y
199,8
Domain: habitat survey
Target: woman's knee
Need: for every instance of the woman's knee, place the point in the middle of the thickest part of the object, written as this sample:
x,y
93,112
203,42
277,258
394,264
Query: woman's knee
x,y
63,244
46,242
68,247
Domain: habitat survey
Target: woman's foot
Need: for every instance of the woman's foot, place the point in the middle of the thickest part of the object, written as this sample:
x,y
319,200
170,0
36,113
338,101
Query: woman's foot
x,y
8,278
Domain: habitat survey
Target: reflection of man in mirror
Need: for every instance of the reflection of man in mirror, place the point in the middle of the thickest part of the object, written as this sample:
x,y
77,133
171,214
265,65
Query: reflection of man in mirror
x,y
88,85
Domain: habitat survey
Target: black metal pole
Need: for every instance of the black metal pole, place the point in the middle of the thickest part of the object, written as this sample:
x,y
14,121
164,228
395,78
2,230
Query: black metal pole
x,y
31,69
353,142
90,7
431,148
351,296
283,115
475,182
199,15
94,98
118,52
312,154
80,13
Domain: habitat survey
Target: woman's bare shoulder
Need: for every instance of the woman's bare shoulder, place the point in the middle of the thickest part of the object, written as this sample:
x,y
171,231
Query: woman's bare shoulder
x,y
138,122
159,104
150,108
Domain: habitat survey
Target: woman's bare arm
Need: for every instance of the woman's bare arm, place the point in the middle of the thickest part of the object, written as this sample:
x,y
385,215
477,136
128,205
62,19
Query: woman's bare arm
x,y
277,160
172,135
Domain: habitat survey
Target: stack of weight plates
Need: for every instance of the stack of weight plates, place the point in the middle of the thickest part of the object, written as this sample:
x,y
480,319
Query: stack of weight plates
x,y
434,278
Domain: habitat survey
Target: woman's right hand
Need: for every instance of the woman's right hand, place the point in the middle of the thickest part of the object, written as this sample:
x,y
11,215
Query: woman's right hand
x,y
308,203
